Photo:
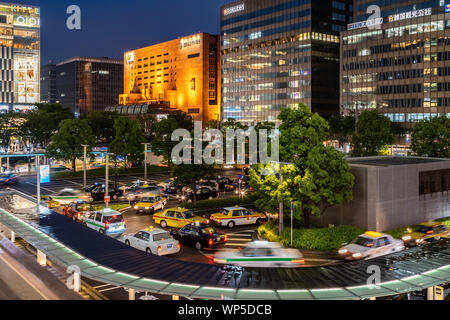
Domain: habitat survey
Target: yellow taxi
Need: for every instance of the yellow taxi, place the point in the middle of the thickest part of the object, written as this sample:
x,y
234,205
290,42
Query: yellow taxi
x,y
150,204
51,203
177,218
237,216
425,232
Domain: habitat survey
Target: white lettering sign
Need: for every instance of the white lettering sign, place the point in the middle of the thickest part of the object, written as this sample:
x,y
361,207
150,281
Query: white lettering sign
x,y
363,24
410,15
231,10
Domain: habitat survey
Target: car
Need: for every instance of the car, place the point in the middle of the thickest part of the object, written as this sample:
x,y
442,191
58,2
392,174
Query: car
x,y
96,185
59,168
98,194
261,254
169,187
150,204
66,196
425,232
135,193
224,184
203,193
176,218
106,221
8,179
371,245
237,216
50,202
200,236
77,210
155,241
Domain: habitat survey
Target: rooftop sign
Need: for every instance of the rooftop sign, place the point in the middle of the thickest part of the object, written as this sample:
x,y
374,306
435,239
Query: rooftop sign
x,y
410,15
363,24
231,10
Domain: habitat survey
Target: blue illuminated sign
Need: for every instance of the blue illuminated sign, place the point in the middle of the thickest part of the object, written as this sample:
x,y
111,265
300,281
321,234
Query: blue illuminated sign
x,y
447,8
45,174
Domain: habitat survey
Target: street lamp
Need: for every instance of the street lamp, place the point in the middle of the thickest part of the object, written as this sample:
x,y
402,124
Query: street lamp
x,y
84,165
281,213
145,160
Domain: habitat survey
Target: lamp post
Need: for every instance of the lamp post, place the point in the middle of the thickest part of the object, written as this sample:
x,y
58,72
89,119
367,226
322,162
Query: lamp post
x,y
84,165
145,160
281,211
38,183
107,181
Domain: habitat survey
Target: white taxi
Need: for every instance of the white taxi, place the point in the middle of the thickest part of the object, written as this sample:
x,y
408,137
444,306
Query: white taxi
x,y
107,221
155,241
237,216
371,245
262,254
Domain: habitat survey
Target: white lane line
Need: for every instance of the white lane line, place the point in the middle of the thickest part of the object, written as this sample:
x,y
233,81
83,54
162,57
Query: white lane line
x,y
52,191
75,183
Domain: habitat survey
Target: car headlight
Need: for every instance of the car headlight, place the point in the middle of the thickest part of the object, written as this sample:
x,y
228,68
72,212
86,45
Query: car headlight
x,y
136,207
406,238
147,208
343,251
357,255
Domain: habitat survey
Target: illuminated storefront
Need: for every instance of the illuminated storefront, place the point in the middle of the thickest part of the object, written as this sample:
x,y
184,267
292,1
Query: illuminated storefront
x,y
182,73
19,56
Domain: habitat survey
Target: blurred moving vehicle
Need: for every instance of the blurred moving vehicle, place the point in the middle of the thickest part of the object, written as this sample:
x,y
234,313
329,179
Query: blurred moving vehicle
x,y
98,194
237,216
155,241
77,210
150,204
169,187
7,179
176,218
50,202
66,196
107,221
200,236
261,254
425,232
96,185
371,245
59,168
203,193
134,194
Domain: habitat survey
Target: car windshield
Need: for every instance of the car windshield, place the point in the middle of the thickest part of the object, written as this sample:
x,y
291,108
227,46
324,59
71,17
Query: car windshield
x,y
363,241
209,230
225,212
113,219
422,229
161,236
188,214
147,199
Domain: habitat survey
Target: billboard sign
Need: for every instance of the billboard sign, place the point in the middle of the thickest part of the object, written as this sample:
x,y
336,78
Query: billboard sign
x,y
44,172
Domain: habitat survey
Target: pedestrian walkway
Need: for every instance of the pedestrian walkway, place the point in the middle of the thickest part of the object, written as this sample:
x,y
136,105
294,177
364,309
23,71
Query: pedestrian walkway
x,y
239,239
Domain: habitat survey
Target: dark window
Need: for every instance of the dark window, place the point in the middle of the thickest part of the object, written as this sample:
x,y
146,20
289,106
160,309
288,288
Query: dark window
x,y
434,181
196,55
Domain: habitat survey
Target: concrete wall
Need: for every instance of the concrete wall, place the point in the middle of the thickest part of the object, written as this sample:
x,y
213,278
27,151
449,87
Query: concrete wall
x,y
387,197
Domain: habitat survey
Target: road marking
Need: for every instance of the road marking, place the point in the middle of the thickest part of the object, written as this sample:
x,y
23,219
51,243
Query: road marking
x,y
77,184
52,191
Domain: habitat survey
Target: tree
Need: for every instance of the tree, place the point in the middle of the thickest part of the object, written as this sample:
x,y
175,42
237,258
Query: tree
x,y
128,140
373,133
342,128
67,143
42,123
318,177
102,125
147,122
431,138
9,127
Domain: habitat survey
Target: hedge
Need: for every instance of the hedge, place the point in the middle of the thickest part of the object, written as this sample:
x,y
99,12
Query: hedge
x,y
315,239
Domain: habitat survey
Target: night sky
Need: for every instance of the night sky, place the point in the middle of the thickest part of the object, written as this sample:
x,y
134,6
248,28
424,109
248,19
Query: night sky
x,y
111,27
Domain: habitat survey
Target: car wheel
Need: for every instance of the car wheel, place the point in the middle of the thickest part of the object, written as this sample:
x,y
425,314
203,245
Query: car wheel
x,y
210,198
259,222
102,231
198,246
148,250
163,224
127,242
231,225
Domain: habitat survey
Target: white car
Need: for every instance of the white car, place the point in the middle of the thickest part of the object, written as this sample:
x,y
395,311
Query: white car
x,y
166,184
371,245
107,221
155,241
136,193
261,254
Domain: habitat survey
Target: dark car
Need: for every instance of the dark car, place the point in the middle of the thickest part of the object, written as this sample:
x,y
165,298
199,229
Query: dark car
x,y
204,193
76,210
8,179
98,194
95,185
225,184
200,236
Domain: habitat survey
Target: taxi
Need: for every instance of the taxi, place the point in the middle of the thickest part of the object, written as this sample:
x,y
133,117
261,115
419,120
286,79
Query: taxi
x,y
77,210
371,245
150,204
262,254
177,218
154,241
425,232
50,202
237,216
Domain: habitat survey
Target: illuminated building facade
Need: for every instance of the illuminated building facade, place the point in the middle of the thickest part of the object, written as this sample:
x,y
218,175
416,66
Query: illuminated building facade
x,y
401,64
182,73
86,85
279,53
19,57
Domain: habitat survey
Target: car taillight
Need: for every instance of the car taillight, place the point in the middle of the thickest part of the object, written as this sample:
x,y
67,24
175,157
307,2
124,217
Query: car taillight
x,y
211,242
225,238
298,261
430,232
218,220
159,249
179,245
106,225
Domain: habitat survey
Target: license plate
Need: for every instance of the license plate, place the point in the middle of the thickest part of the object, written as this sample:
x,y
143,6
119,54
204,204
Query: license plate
x,y
169,246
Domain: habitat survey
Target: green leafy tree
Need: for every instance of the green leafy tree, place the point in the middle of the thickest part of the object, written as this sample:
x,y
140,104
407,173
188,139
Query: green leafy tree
x,y
102,125
128,140
147,122
373,134
9,129
431,138
342,128
318,177
66,144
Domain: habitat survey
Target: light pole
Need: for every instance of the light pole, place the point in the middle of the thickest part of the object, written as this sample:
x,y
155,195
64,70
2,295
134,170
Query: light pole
x,y
107,182
145,160
292,220
281,213
38,184
84,165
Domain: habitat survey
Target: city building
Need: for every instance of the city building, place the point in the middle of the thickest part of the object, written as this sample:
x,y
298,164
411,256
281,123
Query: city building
x,y
182,73
399,63
279,53
86,85
48,83
19,57
393,192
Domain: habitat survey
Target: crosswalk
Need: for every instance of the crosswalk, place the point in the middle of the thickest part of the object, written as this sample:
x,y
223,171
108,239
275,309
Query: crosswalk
x,y
239,239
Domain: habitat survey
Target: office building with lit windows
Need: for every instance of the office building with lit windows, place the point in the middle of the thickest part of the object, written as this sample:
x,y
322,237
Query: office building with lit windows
x,y
400,64
87,84
19,57
181,74
279,53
